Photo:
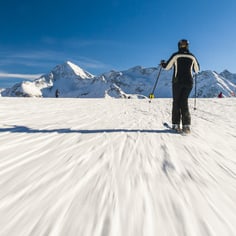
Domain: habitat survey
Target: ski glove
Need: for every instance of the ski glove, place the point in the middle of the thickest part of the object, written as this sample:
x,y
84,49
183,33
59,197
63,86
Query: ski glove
x,y
163,63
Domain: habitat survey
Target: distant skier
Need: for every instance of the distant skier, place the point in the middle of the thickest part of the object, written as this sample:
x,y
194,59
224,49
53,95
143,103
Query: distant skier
x,y
57,93
184,63
220,95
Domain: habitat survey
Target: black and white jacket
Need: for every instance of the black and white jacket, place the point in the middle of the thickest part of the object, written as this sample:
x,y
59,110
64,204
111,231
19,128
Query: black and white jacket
x,y
184,63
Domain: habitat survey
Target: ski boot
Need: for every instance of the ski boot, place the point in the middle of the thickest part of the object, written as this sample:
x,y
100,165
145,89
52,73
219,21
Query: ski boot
x,y
176,128
186,129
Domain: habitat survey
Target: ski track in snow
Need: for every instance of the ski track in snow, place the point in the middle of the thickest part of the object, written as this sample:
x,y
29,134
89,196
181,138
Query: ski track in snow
x,y
108,167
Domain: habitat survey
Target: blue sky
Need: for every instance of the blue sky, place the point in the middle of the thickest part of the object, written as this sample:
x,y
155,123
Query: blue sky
x,y
104,35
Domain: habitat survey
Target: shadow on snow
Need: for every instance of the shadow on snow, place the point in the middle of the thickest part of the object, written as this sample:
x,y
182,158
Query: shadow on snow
x,y
25,129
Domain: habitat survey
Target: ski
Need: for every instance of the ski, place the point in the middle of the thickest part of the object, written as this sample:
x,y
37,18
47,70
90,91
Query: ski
x,y
175,131
171,129
167,125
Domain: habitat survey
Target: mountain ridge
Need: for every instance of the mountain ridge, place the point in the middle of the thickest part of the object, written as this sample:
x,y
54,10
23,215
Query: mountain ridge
x,y
135,82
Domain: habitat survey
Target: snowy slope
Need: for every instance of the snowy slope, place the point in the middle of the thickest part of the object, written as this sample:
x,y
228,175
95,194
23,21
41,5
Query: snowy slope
x,y
108,167
66,77
210,84
73,81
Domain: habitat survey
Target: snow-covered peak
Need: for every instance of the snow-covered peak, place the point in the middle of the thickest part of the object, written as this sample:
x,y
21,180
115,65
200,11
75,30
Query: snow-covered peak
x,y
69,69
228,75
72,81
141,70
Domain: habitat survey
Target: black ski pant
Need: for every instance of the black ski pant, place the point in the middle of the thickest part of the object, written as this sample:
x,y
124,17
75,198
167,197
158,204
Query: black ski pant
x,y
180,108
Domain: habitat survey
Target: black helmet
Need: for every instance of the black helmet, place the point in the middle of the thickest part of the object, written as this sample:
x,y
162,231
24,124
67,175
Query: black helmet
x,y
183,44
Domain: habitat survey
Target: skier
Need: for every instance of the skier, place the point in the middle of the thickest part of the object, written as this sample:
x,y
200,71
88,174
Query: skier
x,y
57,93
184,63
220,95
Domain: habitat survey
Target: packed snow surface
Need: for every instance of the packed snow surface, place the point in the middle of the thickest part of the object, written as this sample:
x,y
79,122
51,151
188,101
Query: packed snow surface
x,y
108,167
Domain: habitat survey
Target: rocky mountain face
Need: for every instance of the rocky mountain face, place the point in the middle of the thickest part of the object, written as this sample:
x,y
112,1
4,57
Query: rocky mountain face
x,y
72,81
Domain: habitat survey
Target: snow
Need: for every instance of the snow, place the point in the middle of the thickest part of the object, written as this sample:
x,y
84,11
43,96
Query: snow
x,y
137,82
108,167
29,88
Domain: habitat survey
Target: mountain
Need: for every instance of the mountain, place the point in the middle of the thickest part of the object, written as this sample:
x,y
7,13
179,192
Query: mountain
x,y
137,82
210,84
67,78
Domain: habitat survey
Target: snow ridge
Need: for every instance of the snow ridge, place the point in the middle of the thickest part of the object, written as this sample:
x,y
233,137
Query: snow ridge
x,y
136,82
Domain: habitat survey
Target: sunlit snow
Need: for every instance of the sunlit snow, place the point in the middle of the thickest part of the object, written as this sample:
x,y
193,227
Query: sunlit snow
x,y
108,167
137,82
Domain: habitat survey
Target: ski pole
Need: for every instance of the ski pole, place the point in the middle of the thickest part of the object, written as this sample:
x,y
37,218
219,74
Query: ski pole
x,y
151,95
195,93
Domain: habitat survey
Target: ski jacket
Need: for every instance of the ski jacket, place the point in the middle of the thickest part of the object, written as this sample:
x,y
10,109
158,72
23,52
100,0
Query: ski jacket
x,y
184,64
